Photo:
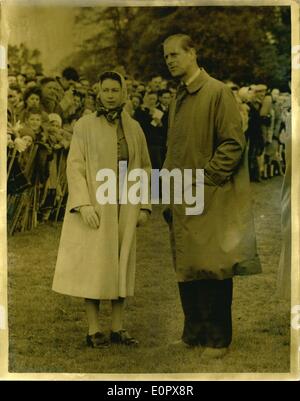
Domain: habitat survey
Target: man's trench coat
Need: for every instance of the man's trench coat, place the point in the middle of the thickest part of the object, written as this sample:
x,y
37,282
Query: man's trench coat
x,y
206,133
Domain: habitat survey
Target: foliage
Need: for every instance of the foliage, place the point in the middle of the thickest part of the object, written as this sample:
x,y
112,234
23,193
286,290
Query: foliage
x,y
20,56
244,44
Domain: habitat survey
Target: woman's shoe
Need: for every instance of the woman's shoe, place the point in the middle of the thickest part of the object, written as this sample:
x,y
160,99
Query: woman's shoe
x,y
97,340
123,337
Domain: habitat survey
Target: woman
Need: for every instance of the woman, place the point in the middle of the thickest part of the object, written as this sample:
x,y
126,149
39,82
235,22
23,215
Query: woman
x,y
96,257
32,98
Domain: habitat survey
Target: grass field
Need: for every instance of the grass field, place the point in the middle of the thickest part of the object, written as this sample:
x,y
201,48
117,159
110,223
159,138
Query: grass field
x,y
47,330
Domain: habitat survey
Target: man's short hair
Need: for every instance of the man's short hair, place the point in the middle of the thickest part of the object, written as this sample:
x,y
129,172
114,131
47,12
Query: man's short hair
x,y
70,74
46,80
186,41
163,91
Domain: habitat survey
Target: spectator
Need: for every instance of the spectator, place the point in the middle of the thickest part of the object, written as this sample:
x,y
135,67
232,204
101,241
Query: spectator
x,y
69,77
149,117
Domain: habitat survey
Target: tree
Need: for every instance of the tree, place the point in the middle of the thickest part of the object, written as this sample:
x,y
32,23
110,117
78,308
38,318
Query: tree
x,y
244,44
19,56
106,43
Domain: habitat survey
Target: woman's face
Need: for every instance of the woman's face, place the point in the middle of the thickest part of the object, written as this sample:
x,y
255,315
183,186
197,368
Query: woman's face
x,y
35,122
33,100
28,140
111,93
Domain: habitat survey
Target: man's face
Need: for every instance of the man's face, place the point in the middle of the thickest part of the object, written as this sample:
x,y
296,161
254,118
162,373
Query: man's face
x,y
50,90
178,60
35,122
165,99
152,99
260,94
155,84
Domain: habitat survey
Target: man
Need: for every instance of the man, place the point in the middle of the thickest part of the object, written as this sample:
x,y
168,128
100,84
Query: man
x,y
254,136
49,101
155,83
149,118
205,132
53,101
265,100
13,104
69,77
165,98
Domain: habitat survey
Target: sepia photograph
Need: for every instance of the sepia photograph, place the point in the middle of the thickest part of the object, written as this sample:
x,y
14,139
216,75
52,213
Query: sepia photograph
x,y
147,221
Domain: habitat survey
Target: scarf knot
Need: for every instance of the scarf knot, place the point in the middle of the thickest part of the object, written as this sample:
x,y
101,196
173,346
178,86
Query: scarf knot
x,y
110,114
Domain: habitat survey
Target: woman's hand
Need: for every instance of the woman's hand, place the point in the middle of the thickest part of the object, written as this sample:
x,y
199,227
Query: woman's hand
x,y
143,218
20,145
90,216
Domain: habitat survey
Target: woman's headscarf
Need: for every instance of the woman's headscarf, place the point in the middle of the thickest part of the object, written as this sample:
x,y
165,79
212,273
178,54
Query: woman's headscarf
x,y
111,114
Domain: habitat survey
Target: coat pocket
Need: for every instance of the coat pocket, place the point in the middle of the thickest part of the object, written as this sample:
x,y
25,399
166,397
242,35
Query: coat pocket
x,y
210,188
